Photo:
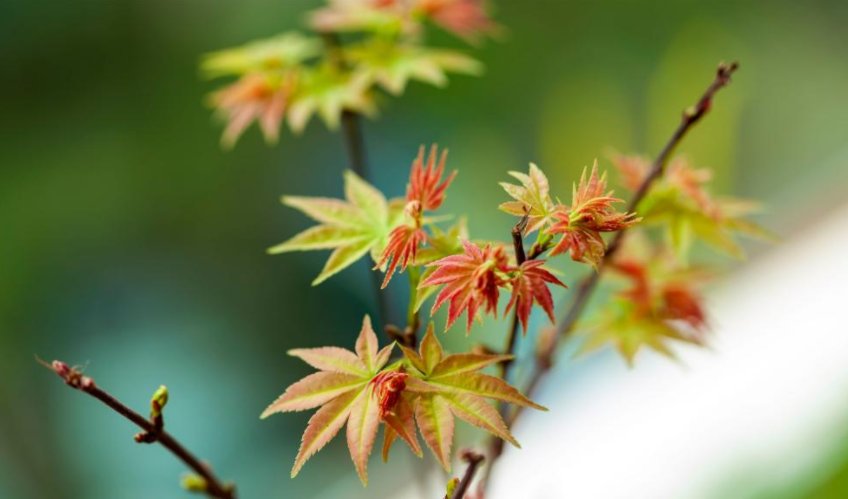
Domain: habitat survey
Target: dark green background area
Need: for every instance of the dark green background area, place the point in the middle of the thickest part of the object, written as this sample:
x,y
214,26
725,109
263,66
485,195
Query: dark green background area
x,y
131,243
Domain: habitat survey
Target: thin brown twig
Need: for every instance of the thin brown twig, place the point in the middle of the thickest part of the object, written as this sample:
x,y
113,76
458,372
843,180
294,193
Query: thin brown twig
x,y
153,432
544,360
474,460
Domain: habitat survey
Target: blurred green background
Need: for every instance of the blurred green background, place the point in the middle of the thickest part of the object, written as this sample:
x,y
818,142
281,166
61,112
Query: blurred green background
x,y
134,245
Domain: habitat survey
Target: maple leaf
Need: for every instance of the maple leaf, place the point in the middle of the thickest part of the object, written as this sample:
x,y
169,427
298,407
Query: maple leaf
x,y
280,52
470,281
680,202
467,19
384,16
328,91
426,187
256,97
392,65
351,227
448,386
532,198
591,213
401,249
659,305
530,284
349,387
425,191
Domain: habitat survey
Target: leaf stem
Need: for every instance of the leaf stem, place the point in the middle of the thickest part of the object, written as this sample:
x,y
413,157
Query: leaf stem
x,y
544,359
213,486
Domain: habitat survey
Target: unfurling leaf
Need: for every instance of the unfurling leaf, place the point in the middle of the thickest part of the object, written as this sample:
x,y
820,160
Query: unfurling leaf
x,y
352,227
591,212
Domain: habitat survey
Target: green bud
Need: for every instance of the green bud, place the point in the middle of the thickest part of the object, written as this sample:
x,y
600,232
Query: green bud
x,y
158,401
193,483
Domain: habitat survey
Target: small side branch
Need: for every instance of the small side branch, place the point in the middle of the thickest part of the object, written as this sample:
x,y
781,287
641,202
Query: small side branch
x,y
474,460
153,430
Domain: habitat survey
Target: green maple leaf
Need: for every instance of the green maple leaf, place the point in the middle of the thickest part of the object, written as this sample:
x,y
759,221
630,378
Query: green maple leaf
x,y
532,198
282,51
328,92
393,66
449,386
351,228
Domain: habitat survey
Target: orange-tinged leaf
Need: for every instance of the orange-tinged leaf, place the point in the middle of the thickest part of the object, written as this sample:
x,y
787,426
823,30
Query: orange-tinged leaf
x,y
366,345
332,359
323,426
465,362
362,431
529,285
389,437
484,385
435,421
312,391
476,411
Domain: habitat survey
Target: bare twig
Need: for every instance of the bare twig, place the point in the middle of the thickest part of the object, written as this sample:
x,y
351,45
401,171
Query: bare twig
x,y
474,460
153,431
520,257
544,358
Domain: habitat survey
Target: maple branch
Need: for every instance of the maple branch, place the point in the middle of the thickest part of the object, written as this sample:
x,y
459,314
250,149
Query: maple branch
x,y
474,460
153,431
357,159
544,358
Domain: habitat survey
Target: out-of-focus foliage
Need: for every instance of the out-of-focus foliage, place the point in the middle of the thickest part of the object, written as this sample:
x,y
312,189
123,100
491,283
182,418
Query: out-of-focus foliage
x,y
295,76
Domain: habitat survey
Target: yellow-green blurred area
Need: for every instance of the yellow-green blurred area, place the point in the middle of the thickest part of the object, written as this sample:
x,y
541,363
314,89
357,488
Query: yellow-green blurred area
x,y
133,245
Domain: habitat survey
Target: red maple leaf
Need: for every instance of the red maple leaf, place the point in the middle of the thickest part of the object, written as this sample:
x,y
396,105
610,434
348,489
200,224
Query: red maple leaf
x,y
253,98
471,281
401,249
426,187
531,284
591,212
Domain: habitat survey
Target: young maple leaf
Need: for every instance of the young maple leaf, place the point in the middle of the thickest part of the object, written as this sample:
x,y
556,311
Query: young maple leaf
x,y
426,187
529,284
401,249
350,227
392,65
591,213
278,53
467,19
448,386
660,304
425,191
349,388
328,91
385,16
681,203
471,281
532,198
256,97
